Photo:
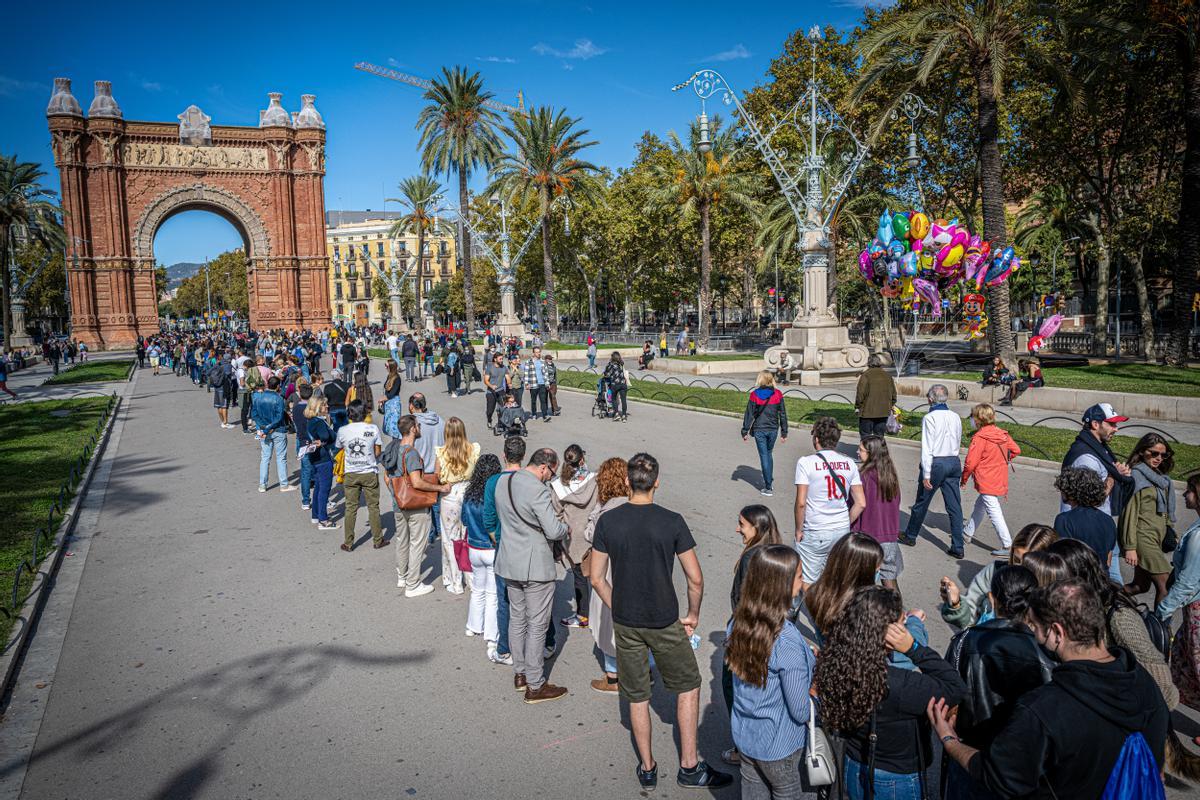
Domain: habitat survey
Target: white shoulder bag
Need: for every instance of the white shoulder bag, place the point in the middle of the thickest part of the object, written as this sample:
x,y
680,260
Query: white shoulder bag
x,y
818,755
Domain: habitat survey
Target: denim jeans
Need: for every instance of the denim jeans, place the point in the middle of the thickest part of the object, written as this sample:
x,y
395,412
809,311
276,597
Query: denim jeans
x,y
888,785
765,441
591,361
322,483
395,354
772,780
306,475
410,368
338,418
946,472
276,440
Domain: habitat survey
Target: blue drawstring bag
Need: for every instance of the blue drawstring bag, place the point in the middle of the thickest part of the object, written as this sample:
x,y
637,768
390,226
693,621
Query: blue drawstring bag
x,y
1134,776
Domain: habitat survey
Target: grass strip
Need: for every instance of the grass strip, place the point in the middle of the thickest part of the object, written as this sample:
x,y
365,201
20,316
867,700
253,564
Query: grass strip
x,y
37,452
93,372
1132,378
1036,442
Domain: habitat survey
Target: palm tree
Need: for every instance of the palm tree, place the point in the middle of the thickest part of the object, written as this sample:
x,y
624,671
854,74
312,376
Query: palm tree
x,y
544,164
458,134
418,197
695,183
991,36
27,213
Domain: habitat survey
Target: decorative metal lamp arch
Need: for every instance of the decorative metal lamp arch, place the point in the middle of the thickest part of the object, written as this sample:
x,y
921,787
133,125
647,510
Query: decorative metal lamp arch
x,y
202,197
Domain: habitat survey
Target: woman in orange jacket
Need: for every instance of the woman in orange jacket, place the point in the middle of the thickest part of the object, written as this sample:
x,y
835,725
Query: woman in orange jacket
x,y
988,459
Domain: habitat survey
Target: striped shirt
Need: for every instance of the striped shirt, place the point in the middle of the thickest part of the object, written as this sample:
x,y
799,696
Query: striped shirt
x,y
770,723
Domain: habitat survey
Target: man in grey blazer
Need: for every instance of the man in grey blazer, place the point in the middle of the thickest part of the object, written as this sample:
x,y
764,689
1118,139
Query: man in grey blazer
x,y
526,562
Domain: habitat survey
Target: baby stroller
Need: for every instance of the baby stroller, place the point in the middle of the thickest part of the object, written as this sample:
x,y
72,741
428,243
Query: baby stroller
x,y
511,422
603,408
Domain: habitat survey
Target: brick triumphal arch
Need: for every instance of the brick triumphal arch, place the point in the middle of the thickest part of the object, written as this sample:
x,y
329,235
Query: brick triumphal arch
x,y
122,179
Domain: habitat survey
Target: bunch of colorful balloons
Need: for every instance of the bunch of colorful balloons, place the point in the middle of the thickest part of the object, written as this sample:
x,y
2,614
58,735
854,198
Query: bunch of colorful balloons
x,y
919,260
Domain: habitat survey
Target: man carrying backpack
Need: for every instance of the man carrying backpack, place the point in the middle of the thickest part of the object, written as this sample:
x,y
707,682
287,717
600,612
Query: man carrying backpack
x,y
1101,717
219,373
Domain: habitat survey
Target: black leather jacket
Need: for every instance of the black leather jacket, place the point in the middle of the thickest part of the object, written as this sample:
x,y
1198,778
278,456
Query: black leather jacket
x,y
999,660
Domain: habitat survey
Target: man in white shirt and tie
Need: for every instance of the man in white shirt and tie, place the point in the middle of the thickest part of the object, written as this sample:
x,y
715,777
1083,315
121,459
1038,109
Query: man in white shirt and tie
x,y
941,437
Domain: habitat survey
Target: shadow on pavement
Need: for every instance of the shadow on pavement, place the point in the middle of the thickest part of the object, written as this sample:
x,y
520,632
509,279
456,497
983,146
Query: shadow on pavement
x,y
235,694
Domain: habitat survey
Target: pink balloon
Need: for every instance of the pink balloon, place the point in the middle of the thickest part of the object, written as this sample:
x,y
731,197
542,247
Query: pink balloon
x,y
928,292
1051,326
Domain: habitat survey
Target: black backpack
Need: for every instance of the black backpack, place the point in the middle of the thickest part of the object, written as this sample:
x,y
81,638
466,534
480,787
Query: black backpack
x,y
1159,631
216,375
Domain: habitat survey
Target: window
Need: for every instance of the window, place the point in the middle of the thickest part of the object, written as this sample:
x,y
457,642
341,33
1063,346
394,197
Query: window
x,y
427,266
367,290
353,290
443,248
367,271
337,269
337,291
341,308
428,286
403,247
379,249
366,249
425,249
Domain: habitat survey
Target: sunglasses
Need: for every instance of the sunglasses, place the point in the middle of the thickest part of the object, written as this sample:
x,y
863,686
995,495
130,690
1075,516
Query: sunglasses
x,y
1156,454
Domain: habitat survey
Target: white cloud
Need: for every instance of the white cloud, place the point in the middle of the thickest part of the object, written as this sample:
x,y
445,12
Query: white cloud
x,y
12,86
496,59
567,66
737,51
152,86
583,50
393,62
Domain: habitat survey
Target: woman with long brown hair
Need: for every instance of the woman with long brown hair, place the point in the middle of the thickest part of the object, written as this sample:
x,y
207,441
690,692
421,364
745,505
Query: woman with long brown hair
x,y
878,707
772,670
852,564
391,384
611,491
1148,515
455,461
881,518
758,528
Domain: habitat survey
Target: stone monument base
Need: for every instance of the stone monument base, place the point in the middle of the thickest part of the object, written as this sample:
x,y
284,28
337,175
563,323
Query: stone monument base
x,y
818,348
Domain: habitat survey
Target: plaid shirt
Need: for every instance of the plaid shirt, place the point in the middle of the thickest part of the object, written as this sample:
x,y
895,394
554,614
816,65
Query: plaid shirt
x,y
549,371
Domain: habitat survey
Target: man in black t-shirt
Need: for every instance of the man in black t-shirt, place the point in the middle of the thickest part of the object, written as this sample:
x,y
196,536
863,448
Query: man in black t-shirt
x,y
335,392
642,541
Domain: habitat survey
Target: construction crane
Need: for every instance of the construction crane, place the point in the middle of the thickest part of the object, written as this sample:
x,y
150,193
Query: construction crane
x,y
422,83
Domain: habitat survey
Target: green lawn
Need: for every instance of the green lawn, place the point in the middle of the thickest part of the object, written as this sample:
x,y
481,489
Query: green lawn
x,y
1135,378
36,456
93,372
1036,442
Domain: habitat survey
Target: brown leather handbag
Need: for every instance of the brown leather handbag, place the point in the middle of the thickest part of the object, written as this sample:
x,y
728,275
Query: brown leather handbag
x,y
405,495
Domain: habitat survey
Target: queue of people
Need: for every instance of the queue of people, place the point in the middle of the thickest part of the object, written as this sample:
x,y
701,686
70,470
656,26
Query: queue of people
x,y
1056,685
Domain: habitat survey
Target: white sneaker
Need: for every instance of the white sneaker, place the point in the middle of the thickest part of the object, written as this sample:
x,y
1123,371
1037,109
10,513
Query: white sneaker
x,y
291,487
424,588
496,658
470,632
305,507
262,488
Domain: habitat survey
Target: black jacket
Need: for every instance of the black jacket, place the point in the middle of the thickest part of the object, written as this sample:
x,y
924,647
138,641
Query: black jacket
x,y
1086,444
1063,738
765,411
999,661
900,720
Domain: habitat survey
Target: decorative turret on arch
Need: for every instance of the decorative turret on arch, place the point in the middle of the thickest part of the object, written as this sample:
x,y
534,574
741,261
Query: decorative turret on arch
x,y
122,179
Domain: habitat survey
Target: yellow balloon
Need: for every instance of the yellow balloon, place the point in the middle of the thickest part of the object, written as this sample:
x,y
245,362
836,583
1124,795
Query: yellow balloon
x,y
918,226
953,257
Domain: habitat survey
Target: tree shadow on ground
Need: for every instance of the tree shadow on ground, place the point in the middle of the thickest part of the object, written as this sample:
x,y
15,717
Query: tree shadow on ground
x,y
235,695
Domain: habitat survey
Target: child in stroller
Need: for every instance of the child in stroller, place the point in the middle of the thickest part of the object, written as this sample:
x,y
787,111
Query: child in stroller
x,y
603,407
512,418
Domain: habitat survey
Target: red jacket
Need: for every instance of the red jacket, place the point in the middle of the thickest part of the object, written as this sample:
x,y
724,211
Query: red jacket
x,y
988,457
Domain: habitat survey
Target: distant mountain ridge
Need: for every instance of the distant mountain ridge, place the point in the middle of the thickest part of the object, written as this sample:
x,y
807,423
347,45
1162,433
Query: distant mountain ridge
x,y
176,273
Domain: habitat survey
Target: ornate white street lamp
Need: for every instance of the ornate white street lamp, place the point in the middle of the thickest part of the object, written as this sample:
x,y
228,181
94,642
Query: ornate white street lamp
x,y
817,342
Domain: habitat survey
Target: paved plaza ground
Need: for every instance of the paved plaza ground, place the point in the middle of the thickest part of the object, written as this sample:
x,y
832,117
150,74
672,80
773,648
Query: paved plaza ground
x,y
219,646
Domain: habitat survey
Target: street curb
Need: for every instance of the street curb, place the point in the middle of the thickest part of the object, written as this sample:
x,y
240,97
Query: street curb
x,y
26,702
1038,463
31,611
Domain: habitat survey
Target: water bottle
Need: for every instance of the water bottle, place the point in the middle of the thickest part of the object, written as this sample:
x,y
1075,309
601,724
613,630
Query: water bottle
x,y
695,640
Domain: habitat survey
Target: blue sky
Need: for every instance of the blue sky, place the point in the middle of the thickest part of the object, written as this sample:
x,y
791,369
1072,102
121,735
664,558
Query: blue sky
x,y
612,64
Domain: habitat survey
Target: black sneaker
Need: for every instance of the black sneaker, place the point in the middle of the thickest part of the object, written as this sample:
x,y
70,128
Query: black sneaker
x,y
955,553
907,542
702,776
647,778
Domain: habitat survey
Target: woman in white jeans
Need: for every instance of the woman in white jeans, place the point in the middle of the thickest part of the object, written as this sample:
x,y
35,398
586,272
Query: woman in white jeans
x,y
456,460
988,459
481,614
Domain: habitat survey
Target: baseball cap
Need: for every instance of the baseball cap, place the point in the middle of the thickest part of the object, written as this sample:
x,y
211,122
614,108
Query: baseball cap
x,y
1103,412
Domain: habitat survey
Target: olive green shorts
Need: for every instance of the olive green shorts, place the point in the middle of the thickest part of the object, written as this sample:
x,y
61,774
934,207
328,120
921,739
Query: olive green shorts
x,y
673,656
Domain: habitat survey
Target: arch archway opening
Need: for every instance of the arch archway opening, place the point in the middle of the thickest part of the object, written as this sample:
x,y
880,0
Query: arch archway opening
x,y
202,255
